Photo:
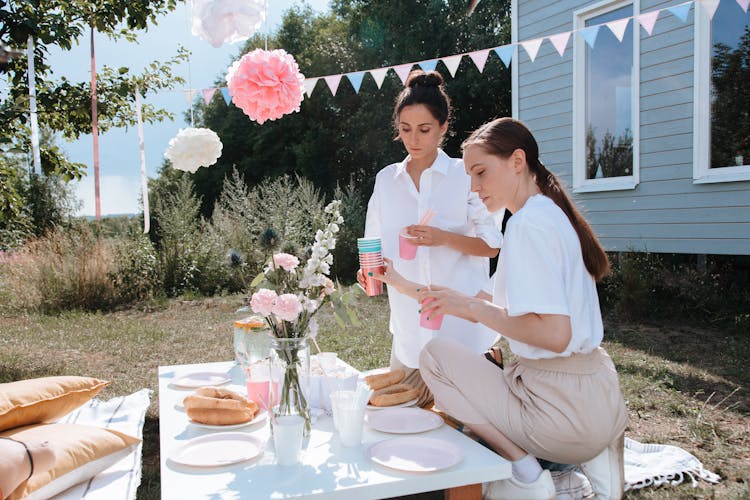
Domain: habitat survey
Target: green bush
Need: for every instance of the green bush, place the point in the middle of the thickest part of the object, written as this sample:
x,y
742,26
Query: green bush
x,y
135,272
346,254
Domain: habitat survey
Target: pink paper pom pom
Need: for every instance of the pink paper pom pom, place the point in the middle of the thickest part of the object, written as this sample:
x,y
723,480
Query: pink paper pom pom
x,y
266,85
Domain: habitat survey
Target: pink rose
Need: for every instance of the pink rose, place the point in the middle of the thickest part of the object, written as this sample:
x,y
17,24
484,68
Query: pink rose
x,y
263,301
287,307
286,261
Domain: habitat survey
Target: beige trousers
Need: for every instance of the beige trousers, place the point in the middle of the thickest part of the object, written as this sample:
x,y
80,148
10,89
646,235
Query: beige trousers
x,y
565,410
414,379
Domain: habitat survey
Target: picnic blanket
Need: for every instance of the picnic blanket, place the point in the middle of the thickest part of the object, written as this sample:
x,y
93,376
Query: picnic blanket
x,y
125,414
649,464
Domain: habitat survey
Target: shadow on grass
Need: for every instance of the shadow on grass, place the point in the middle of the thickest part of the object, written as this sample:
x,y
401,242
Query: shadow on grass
x,y
12,374
714,352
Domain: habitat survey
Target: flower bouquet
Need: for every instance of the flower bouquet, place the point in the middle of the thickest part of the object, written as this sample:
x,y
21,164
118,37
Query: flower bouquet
x,y
288,299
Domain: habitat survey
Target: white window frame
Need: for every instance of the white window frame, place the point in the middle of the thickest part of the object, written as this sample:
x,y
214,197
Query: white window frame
x,y
580,183
702,171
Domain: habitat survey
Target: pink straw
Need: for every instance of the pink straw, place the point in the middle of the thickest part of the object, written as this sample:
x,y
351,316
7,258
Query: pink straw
x,y
428,215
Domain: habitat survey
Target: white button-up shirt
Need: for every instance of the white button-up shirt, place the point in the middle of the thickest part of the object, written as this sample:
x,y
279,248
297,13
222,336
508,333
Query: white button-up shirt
x,y
396,203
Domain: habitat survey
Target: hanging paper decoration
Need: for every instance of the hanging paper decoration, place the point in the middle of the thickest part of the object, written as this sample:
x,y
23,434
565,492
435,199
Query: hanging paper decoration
x,y
710,7
648,20
356,80
618,28
266,85
193,148
310,85
403,70
452,63
208,94
532,47
589,34
428,65
333,82
227,21
480,58
560,41
379,75
681,11
505,53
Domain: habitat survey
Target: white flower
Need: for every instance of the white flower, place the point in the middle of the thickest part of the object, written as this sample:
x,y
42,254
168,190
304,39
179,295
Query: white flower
x,y
312,328
193,148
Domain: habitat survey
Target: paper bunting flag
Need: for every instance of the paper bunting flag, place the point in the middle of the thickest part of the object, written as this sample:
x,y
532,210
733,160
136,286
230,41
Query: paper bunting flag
x,y
744,4
208,94
452,63
379,75
225,94
428,65
648,20
310,85
710,7
189,95
333,82
356,80
505,53
480,58
402,71
532,47
560,41
681,11
589,34
618,28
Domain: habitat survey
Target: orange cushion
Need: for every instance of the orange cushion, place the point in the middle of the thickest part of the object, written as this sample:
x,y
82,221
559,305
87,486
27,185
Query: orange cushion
x,y
44,399
81,452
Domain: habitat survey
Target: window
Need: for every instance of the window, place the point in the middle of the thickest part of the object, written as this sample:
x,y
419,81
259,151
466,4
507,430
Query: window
x,y
605,89
722,108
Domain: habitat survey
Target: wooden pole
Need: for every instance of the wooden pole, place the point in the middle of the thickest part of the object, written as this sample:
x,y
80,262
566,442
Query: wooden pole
x,y
95,125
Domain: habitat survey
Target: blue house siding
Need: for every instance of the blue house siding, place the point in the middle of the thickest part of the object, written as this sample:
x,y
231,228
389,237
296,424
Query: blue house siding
x,y
666,211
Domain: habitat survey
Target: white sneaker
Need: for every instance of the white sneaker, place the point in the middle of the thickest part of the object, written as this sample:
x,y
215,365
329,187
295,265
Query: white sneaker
x,y
513,489
606,471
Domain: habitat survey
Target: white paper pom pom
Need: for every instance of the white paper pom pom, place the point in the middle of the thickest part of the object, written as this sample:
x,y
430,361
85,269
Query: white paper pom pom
x,y
193,148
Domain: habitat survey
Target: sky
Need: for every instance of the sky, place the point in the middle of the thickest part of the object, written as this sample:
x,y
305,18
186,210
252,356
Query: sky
x,y
119,156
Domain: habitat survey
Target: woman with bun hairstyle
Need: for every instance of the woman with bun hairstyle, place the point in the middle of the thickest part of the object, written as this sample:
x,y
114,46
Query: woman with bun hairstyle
x,y
560,400
453,247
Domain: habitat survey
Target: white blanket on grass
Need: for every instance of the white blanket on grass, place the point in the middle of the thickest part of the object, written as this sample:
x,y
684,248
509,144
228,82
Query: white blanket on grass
x,y
125,414
656,464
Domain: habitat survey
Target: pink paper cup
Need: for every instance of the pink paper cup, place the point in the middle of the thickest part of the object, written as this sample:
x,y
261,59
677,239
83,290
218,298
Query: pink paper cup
x,y
406,249
435,321
373,287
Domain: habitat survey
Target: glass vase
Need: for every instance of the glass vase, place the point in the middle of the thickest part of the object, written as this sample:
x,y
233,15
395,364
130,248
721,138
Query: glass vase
x,y
290,360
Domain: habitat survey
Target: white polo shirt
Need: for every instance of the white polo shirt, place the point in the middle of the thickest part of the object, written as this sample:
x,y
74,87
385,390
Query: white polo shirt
x,y
396,203
541,270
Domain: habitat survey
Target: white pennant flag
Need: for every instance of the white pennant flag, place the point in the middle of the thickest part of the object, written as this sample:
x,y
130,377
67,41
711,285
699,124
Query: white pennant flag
x,y
189,95
648,20
532,47
208,94
379,75
452,63
560,41
402,70
310,85
744,4
333,82
618,27
710,6
480,58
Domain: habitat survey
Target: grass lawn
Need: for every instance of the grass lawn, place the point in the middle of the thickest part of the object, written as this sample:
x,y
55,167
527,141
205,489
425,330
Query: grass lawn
x,y
684,386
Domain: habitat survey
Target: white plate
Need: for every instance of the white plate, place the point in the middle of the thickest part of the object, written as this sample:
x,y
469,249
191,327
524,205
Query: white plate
x,y
260,417
402,405
215,450
201,379
415,454
403,420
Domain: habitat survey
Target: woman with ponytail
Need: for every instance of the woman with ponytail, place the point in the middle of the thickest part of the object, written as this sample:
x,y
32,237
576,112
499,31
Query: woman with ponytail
x,y
560,400
453,247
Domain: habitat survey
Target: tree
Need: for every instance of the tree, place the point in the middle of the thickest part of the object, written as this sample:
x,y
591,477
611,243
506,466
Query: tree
x,y
350,135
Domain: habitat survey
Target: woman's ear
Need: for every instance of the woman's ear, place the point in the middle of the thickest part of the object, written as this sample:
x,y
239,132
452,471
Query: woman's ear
x,y
444,128
518,157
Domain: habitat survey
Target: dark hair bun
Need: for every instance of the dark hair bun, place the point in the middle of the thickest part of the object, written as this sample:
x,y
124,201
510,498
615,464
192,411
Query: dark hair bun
x,y
424,79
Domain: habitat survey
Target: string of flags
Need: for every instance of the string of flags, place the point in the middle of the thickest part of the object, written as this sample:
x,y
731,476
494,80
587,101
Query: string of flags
x,y
559,41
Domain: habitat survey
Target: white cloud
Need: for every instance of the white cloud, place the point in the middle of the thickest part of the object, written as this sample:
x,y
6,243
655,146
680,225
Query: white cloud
x,y
118,195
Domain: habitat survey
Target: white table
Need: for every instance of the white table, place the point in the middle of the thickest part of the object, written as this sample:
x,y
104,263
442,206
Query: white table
x,y
327,469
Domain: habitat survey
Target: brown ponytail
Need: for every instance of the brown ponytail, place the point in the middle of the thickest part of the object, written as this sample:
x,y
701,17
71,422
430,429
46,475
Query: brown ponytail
x,y
501,137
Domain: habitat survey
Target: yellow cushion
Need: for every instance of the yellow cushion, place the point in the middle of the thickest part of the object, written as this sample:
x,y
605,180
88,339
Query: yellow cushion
x,y
81,452
44,399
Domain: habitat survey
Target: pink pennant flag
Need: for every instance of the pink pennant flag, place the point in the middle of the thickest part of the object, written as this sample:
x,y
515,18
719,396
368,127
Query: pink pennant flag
x,y
379,75
208,94
532,47
560,41
710,7
452,63
648,20
480,58
333,82
618,27
402,71
310,85
189,95
744,4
